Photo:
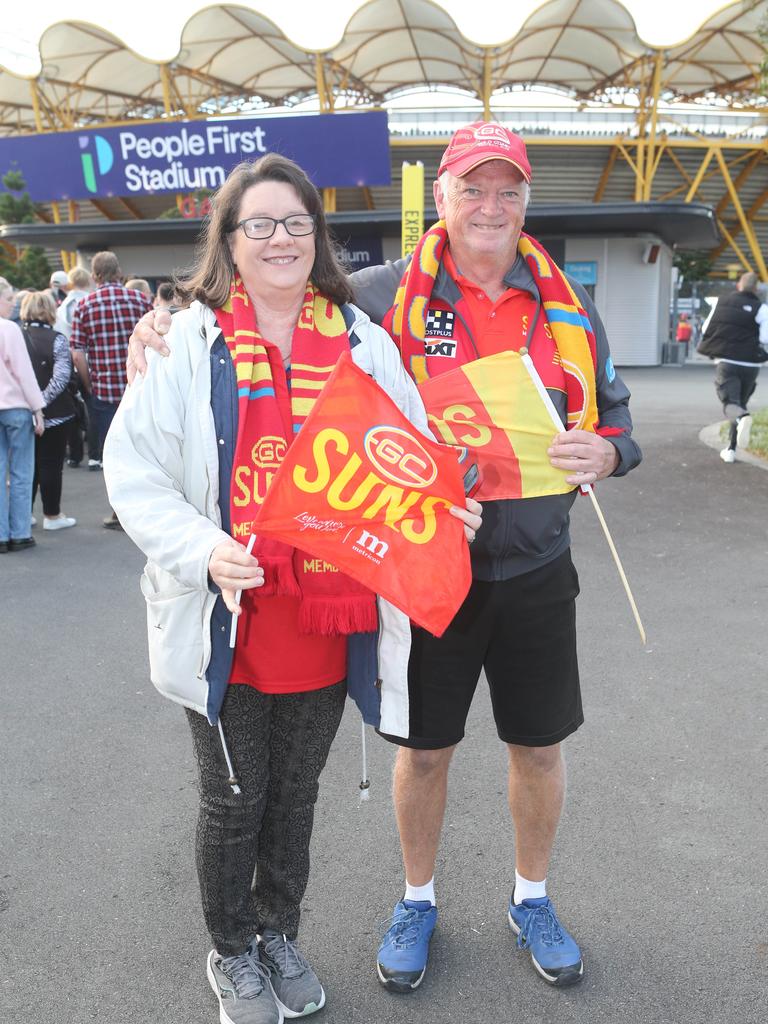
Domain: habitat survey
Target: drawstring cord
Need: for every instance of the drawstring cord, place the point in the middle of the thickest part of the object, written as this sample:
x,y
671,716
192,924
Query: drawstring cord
x,y
365,784
232,780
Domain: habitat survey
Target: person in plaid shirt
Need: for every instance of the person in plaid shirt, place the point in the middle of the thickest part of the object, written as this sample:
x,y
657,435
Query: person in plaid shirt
x,y
101,327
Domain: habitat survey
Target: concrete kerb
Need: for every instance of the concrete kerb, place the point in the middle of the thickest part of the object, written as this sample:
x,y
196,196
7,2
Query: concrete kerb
x,y
710,436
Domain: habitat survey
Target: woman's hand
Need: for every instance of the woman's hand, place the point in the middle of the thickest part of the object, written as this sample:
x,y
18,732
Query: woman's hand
x,y
148,333
39,422
232,569
471,516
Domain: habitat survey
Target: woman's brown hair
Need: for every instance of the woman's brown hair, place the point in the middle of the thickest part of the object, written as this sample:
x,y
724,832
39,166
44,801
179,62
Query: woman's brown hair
x,y
211,276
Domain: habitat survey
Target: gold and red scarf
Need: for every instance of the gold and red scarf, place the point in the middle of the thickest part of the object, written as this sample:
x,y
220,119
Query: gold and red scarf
x,y
272,406
569,323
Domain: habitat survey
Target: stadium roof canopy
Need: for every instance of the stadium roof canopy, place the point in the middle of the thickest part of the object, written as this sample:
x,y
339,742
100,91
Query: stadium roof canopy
x,y
232,58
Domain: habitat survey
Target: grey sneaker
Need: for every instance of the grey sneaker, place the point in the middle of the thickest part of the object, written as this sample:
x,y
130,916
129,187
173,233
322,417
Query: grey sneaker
x,y
295,985
241,984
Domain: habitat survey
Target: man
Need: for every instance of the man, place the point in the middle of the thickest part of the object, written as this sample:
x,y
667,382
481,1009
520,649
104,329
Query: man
x,y
59,286
101,327
80,285
684,331
476,295
732,339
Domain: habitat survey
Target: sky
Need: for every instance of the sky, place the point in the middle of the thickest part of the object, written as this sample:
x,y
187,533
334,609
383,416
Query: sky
x,y
154,31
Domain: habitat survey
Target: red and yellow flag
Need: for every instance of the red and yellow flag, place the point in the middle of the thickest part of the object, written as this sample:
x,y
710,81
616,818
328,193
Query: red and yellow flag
x,y
361,488
494,408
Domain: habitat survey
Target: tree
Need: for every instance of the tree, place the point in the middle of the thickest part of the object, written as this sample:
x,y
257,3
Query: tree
x,y
24,268
693,265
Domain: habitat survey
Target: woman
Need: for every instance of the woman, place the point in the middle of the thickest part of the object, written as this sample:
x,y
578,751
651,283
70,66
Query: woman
x,y
52,363
269,292
21,417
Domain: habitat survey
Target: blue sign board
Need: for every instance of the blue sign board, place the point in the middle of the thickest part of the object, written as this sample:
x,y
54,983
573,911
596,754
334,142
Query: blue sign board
x,y
583,271
336,150
360,251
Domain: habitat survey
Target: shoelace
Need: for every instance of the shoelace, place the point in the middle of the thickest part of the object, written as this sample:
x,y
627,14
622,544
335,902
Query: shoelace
x,y
246,973
544,921
405,930
283,952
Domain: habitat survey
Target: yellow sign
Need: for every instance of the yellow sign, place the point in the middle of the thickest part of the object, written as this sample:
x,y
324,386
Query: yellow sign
x,y
413,206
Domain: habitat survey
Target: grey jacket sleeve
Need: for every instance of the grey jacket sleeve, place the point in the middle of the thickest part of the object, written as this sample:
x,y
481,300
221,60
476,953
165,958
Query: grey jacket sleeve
x,y
612,392
375,287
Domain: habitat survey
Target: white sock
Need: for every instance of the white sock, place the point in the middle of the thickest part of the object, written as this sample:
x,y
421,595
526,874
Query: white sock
x,y
525,889
421,893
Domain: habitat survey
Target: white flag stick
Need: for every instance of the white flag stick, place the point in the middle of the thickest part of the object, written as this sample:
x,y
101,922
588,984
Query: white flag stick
x,y
586,488
238,595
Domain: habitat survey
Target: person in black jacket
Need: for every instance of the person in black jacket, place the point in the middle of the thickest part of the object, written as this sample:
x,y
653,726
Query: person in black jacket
x,y
52,363
732,339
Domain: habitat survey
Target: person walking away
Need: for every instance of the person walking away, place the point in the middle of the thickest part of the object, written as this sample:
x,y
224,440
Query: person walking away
x,y
52,363
21,417
732,341
101,327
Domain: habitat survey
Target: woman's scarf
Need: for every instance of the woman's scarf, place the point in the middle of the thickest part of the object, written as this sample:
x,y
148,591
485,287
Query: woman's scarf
x,y
331,603
569,324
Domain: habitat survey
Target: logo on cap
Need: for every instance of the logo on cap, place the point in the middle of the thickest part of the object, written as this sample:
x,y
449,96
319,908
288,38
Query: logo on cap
x,y
492,132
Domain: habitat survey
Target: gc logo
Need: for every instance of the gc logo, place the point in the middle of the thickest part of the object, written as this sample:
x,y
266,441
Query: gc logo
x,y
269,452
400,457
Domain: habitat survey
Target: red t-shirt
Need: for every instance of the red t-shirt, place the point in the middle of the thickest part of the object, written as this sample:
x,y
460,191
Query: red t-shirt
x,y
273,657
270,653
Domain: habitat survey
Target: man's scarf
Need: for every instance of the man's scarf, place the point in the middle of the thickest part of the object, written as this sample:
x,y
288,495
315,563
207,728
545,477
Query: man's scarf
x,y
331,603
569,324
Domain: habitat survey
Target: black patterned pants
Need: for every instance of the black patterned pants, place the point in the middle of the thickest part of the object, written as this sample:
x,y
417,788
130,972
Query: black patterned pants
x,y
253,849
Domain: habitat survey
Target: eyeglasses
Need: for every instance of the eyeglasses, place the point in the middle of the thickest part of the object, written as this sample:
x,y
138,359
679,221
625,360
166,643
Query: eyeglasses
x,y
265,227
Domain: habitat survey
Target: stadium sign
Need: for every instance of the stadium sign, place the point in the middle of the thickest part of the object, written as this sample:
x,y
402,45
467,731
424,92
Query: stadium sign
x,y
336,150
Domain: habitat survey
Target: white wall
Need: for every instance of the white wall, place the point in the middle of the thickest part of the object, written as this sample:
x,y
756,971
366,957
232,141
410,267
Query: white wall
x,y
632,297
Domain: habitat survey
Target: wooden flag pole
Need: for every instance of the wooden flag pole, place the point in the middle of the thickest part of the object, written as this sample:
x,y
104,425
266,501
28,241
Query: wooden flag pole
x,y
587,489
622,575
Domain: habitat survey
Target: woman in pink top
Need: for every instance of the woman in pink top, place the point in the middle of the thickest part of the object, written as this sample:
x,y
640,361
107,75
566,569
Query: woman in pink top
x,y
21,417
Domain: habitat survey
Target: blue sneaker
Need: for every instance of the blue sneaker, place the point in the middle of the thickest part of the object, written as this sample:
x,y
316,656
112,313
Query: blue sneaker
x,y
554,952
404,950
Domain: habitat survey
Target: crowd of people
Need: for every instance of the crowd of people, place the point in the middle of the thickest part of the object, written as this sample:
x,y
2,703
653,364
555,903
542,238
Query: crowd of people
x,y
62,355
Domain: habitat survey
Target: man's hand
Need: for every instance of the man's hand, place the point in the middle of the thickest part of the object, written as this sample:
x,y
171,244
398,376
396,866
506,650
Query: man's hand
x,y
148,333
586,456
39,423
471,516
232,568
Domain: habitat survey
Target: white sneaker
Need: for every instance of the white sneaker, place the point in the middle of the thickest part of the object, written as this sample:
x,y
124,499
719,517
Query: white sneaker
x,y
61,523
33,521
743,430
728,455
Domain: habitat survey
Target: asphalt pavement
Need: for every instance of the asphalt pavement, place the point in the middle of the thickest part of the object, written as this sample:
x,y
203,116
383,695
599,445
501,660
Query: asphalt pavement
x,y
660,864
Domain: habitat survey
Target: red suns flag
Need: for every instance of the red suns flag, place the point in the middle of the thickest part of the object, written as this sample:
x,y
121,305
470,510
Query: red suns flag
x,y
363,489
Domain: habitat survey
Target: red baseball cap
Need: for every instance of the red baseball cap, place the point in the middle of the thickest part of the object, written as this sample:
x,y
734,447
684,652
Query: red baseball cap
x,y
482,141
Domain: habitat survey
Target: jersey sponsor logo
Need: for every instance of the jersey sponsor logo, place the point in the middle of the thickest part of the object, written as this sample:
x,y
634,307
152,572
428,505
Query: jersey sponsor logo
x,y
439,323
440,348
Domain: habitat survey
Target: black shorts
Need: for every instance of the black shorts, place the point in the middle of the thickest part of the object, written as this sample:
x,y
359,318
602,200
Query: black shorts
x,y
522,631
